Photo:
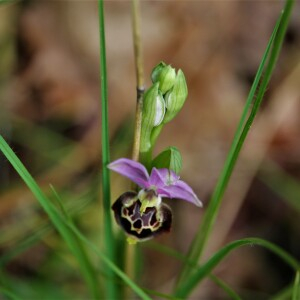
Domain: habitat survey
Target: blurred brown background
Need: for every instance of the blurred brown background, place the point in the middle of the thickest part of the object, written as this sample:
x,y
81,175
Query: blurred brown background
x,y
50,114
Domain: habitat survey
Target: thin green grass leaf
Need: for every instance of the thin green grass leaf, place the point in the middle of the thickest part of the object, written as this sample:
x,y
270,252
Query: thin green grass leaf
x,y
112,291
271,54
284,294
60,204
282,183
24,245
160,295
296,288
110,264
6,287
168,251
63,226
9,1
222,284
72,241
181,257
92,246
184,290
9,294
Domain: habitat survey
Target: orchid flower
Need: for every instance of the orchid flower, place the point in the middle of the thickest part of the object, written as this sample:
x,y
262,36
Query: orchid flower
x,y
143,214
164,182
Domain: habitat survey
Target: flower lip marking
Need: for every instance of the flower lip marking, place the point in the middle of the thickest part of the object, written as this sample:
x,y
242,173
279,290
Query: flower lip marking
x,y
143,215
141,226
164,182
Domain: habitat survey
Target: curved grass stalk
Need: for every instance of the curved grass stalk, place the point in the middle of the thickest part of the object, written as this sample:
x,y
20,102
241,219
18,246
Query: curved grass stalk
x,y
72,241
229,291
184,290
68,231
181,257
112,291
284,294
296,288
9,294
260,84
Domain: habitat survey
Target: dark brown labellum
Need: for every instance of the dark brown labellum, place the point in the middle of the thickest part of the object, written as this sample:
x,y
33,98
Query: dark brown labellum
x,y
143,226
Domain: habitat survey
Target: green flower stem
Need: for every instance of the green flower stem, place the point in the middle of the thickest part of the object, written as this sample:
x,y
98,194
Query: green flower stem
x,y
145,146
155,133
112,292
210,215
147,143
130,250
138,125
138,55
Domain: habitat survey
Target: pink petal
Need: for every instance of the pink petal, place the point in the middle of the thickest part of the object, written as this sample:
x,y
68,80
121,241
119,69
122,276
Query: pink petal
x,y
162,177
180,190
131,169
157,178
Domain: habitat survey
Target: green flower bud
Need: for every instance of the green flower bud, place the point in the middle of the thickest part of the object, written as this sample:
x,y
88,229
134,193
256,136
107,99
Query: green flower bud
x,y
153,114
176,97
165,76
156,71
154,106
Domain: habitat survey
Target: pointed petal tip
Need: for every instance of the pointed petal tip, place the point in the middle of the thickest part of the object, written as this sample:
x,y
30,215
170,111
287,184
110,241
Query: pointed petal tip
x,y
198,203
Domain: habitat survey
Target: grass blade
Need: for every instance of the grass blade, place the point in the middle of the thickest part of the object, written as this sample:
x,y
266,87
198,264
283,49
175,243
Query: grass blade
x,y
110,264
230,292
68,231
184,290
9,294
72,241
285,293
24,245
107,222
181,257
263,77
296,288
282,183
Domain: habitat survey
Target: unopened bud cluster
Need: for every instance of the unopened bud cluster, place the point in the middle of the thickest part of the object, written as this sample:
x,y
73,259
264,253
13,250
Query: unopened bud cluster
x,y
162,101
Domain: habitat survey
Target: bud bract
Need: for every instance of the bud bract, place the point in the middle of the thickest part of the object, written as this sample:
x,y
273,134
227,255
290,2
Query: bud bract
x,y
176,97
153,113
153,107
170,159
156,71
165,75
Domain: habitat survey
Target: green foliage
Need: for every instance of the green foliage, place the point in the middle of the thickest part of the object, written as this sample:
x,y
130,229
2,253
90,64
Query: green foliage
x,y
162,102
256,94
157,71
71,235
112,291
165,77
169,158
296,289
229,291
175,97
56,218
201,272
169,91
